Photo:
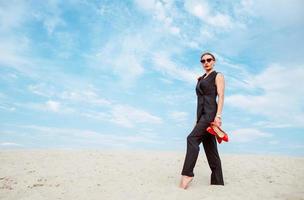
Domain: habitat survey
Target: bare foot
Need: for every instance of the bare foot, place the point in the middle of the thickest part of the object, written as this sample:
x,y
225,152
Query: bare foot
x,y
185,181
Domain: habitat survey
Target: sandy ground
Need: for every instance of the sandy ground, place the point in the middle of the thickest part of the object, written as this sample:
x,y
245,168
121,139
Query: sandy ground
x,y
96,174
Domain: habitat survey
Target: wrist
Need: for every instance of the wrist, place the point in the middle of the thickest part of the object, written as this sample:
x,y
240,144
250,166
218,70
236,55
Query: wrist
x,y
218,116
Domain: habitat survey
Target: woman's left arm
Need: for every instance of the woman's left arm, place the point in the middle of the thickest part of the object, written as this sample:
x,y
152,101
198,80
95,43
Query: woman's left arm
x,y
220,84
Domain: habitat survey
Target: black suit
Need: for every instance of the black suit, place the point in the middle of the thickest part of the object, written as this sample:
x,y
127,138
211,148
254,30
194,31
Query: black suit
x,y
206,110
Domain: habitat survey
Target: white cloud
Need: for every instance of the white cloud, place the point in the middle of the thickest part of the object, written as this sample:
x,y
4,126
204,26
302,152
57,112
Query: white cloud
x,y
51,17
128,66
281,100
233,72
220,20
123,56
296,146
9,144
12,14
88,137
13,54
49,106
274,142
206,34
162,11
165,65
72,101
129,116
87,94
52,22
244,9
7,107
42,89
124,116
100,116
247,135
6,104
291,12
179,116
146,4
202,10
53,106
199,9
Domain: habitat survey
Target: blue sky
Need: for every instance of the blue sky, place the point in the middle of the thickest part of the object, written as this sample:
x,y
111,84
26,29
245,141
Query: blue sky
x,y
122,74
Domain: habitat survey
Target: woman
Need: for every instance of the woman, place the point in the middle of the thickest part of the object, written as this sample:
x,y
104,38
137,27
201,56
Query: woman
x,y
208,87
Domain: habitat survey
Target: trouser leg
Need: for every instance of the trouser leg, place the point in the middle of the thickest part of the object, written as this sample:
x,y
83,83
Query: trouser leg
x,y
193,141
210,146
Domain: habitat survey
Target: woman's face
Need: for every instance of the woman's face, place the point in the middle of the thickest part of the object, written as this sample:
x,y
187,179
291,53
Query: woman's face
x,y
207,62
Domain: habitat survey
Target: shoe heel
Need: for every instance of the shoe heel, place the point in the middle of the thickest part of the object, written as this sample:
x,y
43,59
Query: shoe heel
x,y
210,130
225,138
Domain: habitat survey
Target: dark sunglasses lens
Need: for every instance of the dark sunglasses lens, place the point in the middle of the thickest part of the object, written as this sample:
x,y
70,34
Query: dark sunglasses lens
x,y
208,60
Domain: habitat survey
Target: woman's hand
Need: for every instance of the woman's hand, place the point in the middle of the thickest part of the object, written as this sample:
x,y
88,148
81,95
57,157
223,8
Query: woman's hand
x,y
218,121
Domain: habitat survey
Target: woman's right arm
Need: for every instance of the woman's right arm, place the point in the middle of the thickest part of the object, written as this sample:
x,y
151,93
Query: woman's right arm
x,y
220,85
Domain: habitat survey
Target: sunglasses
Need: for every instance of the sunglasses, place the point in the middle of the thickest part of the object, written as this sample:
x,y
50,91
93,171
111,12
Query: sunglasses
x,y
208,60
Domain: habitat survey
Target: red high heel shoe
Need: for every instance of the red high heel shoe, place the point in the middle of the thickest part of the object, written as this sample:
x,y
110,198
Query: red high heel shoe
x,y
214,129
211,131
219,131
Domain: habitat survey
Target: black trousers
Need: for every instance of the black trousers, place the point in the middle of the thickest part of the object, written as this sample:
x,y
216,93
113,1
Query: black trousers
x,y
198,135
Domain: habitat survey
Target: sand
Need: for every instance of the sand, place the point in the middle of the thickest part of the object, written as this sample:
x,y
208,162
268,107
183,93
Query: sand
x,y
98,174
